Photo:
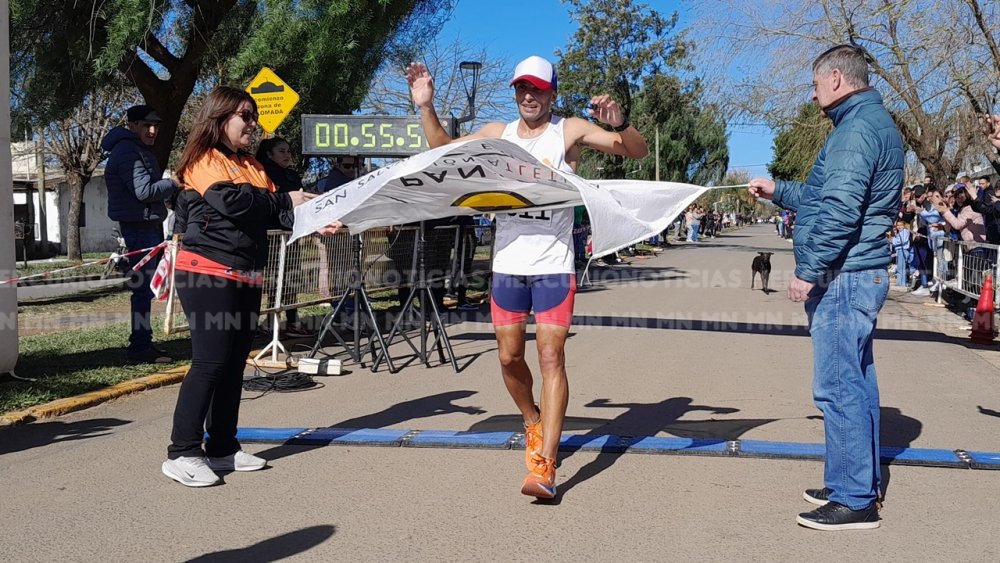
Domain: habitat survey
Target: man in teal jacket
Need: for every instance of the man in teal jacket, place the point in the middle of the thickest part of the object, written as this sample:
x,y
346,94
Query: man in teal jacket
x,y
843,211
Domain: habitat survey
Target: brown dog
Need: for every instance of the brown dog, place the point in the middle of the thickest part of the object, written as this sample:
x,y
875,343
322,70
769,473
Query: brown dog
x,y
761,265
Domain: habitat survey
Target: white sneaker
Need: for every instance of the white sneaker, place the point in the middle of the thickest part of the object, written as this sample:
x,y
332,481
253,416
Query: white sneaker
x,y
921,292
239,461
190,471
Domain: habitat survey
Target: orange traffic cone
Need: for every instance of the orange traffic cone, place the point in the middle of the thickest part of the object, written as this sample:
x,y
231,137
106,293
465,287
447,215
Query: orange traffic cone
x,y
983,328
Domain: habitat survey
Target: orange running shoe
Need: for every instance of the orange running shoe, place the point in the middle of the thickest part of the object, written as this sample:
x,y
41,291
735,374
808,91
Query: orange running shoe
x,y
532,440
541,481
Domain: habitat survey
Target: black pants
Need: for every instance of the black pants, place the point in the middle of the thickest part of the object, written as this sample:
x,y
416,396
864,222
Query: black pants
x,y
222,314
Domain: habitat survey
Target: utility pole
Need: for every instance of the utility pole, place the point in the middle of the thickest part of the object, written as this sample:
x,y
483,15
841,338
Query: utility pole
x,y
43,226
657,152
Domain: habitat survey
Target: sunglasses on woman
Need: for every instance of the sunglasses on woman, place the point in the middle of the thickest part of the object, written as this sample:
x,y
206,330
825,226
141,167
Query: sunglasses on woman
x,y
247,116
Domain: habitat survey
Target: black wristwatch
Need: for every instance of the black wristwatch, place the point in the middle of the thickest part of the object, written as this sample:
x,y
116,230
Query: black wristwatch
x,y
625,125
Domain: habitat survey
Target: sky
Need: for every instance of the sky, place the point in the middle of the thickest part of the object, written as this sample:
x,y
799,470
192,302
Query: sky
x,y
494,24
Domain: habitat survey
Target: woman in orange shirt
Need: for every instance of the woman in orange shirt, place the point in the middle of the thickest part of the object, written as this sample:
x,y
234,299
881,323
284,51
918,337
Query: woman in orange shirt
x,y
227,206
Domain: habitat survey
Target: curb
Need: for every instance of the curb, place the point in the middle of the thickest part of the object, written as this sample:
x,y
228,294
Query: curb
x,y
71,404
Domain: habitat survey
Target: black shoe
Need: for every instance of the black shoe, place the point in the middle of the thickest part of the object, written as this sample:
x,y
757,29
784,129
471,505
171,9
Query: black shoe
x,y
835,516
819,497
148,356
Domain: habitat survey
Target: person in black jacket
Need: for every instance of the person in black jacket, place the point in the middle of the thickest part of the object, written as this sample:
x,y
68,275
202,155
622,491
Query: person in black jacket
x,y
227,206
137,193
276,155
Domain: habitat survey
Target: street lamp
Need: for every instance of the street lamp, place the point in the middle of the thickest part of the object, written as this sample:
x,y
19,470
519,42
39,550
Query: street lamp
x,y
466,68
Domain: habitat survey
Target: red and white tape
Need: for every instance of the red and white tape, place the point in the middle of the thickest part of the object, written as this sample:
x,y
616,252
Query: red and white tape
x,y
152,252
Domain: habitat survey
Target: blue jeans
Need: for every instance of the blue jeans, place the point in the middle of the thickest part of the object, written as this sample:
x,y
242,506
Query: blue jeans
x,y
842,316
138,237
902,267
693,233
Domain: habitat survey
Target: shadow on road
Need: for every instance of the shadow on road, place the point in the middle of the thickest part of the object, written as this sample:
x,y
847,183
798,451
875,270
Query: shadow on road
x,y
272,549
638,421
723,325
424,407
987,412
28,436
648,419
896,431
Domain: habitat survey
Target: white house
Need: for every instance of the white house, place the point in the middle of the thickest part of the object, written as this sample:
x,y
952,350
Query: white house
x,y
96,230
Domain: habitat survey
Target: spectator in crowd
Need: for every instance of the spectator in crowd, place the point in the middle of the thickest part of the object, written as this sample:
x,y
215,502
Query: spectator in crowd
x,y
906,205
987,202
928,183
229,204
789,225
966,222
920,244
276,155
693,219
948,200
707,229
779,224
345,169
581,226
983,183
900,242
845,208
137,198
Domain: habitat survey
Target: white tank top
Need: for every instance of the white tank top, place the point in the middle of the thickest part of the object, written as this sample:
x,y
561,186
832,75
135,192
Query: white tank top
x,y
537,242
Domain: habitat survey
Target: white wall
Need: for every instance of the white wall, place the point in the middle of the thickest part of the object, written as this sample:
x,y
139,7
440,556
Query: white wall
x,y
97,236
8,292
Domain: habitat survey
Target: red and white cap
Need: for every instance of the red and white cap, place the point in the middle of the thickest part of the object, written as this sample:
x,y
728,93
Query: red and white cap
x,y
536,70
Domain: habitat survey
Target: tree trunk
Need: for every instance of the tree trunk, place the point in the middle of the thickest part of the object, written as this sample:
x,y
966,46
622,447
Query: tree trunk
x,y
76,184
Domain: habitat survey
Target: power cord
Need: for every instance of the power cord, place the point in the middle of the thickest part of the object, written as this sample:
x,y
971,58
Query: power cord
x,y
281,381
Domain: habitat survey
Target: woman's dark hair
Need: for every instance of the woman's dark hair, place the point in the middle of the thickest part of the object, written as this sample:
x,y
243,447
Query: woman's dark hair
x,y
268,145
966,201
207,131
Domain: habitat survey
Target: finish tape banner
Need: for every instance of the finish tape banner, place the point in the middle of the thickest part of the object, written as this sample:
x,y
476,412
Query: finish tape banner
x,y
495,176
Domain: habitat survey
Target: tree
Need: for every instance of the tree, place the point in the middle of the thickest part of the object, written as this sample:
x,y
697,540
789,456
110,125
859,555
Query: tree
x,y
328,51
693,141
75,142
617,44
917,60
390,95
797,144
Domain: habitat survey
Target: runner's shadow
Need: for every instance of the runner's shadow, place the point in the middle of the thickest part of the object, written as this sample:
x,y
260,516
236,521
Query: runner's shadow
x,y
648,419
424,407
272,549
19,438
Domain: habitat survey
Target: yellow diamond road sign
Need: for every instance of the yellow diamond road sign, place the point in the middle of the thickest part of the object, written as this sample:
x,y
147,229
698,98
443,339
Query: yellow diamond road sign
x,y
274,98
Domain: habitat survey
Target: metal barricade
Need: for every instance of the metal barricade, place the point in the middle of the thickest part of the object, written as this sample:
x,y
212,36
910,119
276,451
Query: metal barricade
x,y
966,266
317,269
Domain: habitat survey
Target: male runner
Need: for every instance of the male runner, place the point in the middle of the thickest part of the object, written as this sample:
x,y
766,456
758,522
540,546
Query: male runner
x,y
533,257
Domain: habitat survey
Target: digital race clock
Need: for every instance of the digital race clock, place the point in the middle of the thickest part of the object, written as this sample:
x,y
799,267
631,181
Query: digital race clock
x,y
371,135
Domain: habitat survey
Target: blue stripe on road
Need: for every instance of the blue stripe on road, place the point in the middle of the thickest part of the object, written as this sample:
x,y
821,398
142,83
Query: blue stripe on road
x,y
606,443
782,450
267,434
663,445
985,460
451,439
922,456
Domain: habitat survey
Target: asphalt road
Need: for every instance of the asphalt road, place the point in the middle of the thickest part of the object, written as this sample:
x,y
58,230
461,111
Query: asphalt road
x,y
676,345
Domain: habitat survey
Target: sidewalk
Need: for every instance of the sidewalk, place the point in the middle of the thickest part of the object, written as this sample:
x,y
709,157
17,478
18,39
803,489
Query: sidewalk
x,y
676,346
